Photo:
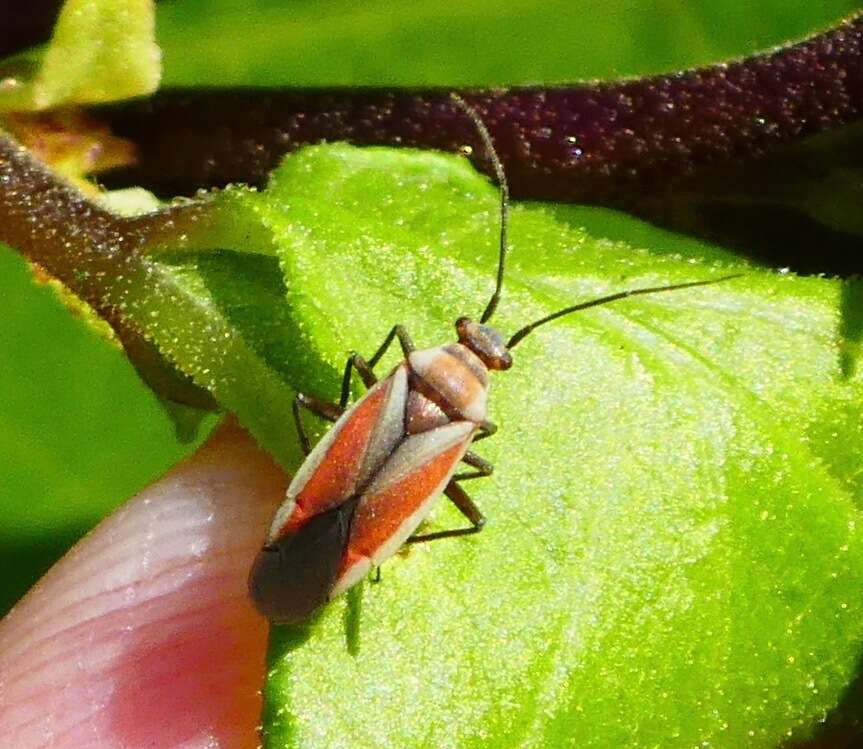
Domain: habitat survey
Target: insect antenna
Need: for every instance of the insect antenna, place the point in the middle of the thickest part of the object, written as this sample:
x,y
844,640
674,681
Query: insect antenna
x,y
527,329
504,200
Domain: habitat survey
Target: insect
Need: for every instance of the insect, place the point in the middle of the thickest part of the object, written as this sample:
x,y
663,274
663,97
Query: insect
x,y
374,477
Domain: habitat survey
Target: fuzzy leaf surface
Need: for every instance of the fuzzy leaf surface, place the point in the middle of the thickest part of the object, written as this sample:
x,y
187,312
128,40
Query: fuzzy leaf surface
x,y
672,555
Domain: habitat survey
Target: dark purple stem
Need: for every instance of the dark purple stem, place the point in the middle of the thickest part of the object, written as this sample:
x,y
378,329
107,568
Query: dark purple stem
x,y
587,143
598,143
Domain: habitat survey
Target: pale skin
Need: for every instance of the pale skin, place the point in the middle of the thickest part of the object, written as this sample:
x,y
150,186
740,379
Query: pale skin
x,y
143,635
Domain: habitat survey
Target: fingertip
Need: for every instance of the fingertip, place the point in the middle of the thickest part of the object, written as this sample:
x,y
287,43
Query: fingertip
x,y
143,635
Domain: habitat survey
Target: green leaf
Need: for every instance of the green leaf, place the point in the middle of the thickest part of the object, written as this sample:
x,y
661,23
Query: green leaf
x,y
672,556
220,318
339,42
70,455
101,50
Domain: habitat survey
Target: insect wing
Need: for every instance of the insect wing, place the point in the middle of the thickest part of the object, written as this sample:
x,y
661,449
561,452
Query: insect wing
x,y
400,497
293,576
352,451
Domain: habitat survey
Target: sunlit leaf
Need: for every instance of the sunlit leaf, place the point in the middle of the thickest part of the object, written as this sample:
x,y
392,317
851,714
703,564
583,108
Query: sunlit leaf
x,y
672,554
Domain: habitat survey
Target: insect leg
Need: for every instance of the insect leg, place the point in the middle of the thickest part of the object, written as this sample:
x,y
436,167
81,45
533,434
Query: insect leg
x,y
328,411
466,507
486,429
483,467
366,368
355,362
404,339
331,411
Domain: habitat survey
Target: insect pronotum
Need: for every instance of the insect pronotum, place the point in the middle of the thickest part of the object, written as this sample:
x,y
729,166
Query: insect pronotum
x,y
374,477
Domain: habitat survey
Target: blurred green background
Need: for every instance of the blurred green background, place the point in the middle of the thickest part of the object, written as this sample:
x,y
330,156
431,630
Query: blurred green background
x,y
402,42
79,431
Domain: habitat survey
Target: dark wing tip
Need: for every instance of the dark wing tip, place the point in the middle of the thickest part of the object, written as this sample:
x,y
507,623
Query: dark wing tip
x,y
292,576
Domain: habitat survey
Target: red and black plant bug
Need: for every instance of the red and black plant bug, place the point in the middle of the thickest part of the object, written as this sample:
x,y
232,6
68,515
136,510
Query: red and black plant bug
x,y
374,477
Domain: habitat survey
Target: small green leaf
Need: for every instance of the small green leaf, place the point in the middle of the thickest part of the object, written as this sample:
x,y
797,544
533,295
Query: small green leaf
x,y
101,50
220,318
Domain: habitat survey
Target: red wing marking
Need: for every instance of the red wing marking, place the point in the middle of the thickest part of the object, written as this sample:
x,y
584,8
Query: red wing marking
x,y
334,478
365,434
402,495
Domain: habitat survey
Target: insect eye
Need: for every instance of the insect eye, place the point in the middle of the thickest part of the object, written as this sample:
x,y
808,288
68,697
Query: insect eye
x,y
461,326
